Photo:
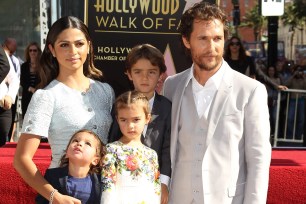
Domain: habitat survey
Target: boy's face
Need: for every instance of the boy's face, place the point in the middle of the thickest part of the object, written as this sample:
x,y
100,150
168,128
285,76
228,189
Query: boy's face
x,y
145,77
82,149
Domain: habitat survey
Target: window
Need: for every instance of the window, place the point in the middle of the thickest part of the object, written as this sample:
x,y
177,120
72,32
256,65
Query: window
x,y
24,27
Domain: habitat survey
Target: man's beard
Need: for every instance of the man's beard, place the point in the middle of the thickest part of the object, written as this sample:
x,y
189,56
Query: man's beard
x,y
210,66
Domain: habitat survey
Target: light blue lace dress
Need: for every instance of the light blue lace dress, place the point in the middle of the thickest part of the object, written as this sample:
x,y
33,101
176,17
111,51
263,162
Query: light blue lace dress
x,y
57,112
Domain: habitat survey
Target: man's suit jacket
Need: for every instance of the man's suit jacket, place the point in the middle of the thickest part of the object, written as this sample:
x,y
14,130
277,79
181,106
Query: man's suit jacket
x,y
57,177
4,65
235,167
158,132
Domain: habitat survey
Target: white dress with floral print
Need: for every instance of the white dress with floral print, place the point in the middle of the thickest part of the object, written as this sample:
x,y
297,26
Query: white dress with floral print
x,y
130,175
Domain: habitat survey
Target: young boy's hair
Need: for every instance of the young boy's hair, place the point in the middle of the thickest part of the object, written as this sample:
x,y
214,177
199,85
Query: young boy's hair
x,y
101,151
128,98
145,51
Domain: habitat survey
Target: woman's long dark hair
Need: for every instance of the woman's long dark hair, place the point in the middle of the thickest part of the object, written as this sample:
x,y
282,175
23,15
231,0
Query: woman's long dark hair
x,y
227,51
49,65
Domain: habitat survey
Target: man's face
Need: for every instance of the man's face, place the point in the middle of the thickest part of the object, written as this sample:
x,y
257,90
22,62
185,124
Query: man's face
x,y
12,46
206,44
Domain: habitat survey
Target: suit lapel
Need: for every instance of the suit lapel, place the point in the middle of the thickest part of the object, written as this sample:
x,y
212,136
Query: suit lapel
x,y
177,98
156,106
218,103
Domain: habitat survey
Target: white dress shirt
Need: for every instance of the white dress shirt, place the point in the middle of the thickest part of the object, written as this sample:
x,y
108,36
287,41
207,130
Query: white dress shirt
x,y
10,85
151,101
203,95
16,64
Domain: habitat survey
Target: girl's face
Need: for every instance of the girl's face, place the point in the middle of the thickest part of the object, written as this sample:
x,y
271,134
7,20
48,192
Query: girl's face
x,y
82,150
131,121
70,49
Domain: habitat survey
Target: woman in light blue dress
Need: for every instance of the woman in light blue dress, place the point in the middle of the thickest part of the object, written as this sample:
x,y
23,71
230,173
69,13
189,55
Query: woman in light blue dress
x,y
69,98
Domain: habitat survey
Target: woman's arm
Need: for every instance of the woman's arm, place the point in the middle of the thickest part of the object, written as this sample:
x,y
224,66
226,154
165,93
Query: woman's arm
x,y
23,163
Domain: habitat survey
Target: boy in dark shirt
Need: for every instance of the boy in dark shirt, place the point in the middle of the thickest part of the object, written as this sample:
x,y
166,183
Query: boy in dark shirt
x,y
79,173
145,66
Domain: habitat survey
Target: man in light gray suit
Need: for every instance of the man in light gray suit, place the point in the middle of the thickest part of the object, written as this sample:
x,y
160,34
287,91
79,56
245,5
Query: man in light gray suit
x,y
220,149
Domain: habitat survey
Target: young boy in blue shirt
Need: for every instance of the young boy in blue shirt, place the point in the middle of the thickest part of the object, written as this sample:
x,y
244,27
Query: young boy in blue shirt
x,y
79,173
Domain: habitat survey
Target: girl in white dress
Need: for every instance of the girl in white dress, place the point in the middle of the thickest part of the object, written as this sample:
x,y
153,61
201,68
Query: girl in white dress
x,y
130,172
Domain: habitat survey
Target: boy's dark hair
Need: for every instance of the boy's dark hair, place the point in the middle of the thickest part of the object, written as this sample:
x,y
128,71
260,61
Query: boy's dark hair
x,y
101,151
145,51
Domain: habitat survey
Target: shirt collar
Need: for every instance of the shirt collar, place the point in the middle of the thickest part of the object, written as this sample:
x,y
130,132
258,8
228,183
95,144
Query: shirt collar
x,y
151,101
213,82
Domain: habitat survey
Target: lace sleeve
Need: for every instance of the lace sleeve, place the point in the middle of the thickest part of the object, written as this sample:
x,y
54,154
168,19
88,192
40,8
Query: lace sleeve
x,y
39,113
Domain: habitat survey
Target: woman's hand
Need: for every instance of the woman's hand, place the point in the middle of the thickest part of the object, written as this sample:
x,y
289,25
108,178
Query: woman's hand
x,y
64,199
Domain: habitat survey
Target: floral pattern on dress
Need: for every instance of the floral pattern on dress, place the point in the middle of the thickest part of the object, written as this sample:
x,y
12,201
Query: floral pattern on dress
x,y
137,165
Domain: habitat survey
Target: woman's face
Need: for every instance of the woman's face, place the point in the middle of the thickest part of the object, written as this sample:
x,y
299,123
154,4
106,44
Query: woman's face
x,y
234,45
33,52
70,49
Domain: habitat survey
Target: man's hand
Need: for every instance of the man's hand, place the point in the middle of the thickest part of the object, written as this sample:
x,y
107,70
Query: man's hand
x,y
282,88
7,102
1,102
31,89
164,194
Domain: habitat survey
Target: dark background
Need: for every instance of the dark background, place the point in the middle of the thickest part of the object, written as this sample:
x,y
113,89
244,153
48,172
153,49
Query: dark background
x,y
125,37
